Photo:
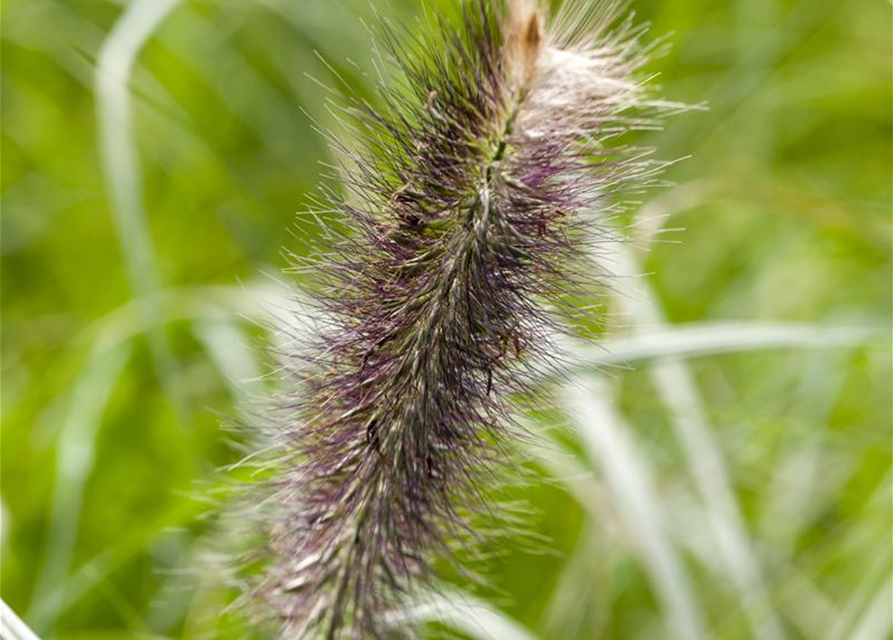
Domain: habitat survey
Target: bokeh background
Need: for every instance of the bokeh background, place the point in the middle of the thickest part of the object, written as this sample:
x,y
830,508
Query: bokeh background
x,y
726,469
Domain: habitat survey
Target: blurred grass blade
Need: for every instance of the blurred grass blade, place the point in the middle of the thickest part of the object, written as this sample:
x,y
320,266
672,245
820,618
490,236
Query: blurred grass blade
x,y
237,83
92,572
606,441
799,474
863,615
876,624
120,164
713,338
229,348
679,394
738,85
470,616
11,626
75,454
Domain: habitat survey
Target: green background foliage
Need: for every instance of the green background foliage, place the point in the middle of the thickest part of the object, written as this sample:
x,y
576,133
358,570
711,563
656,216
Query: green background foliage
x,y
741,491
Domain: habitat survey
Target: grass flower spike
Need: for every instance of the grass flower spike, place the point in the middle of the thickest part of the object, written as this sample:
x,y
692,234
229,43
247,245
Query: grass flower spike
x,y
481,181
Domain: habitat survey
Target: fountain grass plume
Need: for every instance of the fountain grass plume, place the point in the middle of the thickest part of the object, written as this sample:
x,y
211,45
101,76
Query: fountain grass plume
x,y
480,182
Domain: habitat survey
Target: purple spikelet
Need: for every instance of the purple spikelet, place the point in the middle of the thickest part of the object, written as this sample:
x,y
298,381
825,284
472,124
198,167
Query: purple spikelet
x,y
472,203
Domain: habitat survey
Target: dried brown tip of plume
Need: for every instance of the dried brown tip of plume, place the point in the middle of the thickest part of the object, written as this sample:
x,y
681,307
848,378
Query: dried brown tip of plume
x,y
524,38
